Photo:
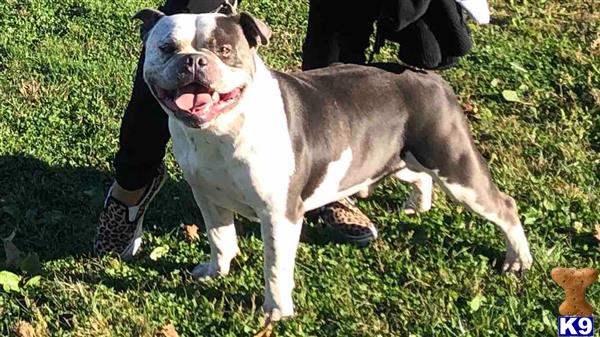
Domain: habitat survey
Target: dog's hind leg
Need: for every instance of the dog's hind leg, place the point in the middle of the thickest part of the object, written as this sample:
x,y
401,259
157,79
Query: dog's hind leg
x,y
221,236
500,209
455,164
419,199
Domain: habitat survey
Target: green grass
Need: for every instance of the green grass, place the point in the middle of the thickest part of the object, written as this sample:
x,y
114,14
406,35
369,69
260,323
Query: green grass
x,y
65,75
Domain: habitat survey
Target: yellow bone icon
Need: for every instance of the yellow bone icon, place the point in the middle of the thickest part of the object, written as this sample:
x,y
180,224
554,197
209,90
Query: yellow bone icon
x,y
574,282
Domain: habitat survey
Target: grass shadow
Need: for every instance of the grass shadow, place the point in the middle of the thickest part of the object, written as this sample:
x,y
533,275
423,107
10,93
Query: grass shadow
x,y
55,209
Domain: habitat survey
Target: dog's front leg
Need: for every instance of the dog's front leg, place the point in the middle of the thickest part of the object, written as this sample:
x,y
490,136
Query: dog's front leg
x,y
221,236
280,236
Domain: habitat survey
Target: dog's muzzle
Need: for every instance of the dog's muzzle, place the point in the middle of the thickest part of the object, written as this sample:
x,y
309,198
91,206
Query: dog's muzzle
x,y
196,101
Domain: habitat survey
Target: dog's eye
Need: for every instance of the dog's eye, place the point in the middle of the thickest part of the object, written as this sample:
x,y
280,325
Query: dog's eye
x,y
168,48
225,50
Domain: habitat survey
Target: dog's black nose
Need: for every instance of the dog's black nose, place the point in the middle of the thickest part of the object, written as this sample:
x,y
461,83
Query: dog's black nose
x,y
196,60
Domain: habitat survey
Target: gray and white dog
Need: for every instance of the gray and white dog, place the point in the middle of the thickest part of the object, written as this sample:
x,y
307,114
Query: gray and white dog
x,y
271,146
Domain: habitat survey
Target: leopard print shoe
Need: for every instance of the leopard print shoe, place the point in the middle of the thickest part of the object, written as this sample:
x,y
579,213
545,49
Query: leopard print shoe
x,y
120,227
347,221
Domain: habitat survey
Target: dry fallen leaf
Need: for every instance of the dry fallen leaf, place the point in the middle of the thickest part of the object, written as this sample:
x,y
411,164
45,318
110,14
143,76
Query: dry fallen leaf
x,y
191,232
167,331
597,235
266,331
13,254
23,329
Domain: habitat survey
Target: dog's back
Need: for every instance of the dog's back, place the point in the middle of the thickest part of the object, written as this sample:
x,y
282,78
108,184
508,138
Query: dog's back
x,y
356,119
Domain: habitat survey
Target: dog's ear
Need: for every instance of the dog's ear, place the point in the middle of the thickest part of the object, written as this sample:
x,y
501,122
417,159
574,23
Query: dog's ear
x,y
256,32
149,18
227,9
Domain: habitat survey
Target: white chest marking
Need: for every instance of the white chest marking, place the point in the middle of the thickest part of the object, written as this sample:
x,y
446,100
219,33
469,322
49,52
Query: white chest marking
x,y
246,153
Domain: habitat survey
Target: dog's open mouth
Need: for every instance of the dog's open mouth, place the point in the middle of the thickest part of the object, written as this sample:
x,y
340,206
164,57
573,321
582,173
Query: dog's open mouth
x,y
199,101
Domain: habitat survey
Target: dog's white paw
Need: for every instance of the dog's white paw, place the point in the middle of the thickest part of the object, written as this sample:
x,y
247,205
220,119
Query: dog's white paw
x,y
415,203
517,263
271,318
214,267
275,315
207,271
276,312
409,210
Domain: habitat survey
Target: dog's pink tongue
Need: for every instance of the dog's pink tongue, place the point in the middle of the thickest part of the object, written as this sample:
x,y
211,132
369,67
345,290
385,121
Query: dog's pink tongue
x,y
191,101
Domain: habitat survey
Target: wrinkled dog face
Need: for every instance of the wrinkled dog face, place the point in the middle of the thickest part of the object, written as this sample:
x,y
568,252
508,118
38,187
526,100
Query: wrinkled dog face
x,y
198,66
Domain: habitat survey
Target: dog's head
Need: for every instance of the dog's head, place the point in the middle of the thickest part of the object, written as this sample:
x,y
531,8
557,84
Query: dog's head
x,y
199,65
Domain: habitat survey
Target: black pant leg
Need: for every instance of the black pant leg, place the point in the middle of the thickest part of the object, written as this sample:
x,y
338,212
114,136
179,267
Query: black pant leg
x,y
355,29
143,138
320,46
338,31
144,128
193,6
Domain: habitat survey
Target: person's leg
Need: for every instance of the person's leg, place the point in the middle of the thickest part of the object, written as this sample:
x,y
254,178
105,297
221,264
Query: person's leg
x,y
144,128
138,172
339,32
320,47
143,137
355,28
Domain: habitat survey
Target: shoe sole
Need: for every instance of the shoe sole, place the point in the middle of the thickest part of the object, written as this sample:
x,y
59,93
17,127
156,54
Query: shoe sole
x,y
359,240
134,245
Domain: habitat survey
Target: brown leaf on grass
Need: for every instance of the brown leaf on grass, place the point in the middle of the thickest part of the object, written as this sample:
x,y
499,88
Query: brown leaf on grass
x,y
23,329
266,331
595,46
15,258
31,90
596,95
167,331
597,233
469,107
191,232
13,254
